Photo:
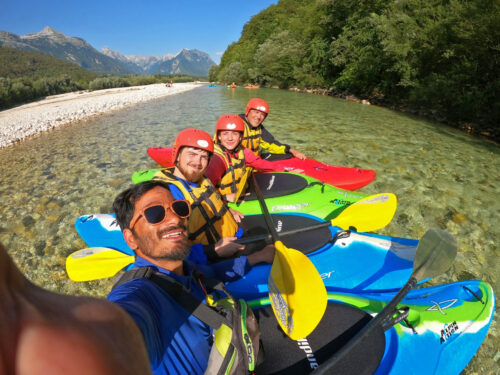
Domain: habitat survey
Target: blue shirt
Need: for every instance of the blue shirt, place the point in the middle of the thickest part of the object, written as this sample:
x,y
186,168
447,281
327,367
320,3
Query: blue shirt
x,y
177,342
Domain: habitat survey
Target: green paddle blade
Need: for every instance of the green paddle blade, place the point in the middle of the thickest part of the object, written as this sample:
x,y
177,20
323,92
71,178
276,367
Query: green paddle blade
x,y
368,214
297,292
435,254
96,263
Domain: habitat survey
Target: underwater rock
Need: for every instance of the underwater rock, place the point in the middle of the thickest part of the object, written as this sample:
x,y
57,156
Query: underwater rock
x,y
403,219
466,275
458,218
28,221
40,248
103,165
115,183
53,218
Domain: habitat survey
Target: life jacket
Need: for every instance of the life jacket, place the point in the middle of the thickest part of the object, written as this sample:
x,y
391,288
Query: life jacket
x,y
234,181
210,218
236,331
252,137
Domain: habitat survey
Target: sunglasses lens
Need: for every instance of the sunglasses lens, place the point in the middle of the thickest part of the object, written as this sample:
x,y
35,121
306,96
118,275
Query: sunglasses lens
x,y
154,214
181,208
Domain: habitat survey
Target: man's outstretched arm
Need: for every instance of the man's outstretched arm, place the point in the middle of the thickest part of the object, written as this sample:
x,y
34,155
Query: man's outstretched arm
x,y
45,332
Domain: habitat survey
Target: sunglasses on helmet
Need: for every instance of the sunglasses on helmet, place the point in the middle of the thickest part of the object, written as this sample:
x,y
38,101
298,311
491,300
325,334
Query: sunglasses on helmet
x,y
156,214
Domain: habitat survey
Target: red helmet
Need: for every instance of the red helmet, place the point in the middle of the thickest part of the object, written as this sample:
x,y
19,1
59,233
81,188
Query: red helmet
x,y
193,138
259,104
230,122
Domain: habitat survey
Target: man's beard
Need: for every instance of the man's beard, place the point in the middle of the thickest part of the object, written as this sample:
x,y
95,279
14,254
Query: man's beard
x,y
178,252
189,175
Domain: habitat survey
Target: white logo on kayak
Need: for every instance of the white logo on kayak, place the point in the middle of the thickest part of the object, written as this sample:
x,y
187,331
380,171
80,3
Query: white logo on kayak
x,y
107,221
202,143
304,345
327,275
280,226
271,183
231,126
448,330
290,207
443,305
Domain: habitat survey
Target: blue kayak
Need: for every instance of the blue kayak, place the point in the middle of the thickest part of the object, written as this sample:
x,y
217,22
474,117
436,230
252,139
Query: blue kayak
x,y
346,260
442,328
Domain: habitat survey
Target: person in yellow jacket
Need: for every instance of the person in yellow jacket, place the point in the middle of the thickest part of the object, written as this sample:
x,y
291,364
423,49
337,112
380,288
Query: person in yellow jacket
x,y
258,139
231,164
211,224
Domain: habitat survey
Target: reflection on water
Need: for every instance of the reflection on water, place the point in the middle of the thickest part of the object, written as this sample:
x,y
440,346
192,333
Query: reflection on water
x,y
442,177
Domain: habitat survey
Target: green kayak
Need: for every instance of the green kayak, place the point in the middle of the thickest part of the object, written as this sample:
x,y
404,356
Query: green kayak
x,y
286,193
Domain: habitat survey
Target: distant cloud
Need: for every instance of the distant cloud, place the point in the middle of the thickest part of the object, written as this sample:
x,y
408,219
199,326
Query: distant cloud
x,y
219,53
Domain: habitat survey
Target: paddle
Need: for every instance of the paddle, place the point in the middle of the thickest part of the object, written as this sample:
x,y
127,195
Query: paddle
x,y
244,179
96,263
296,291
435,253
369,214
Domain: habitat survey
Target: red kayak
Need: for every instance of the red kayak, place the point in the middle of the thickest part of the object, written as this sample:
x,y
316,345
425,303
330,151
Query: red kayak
x,y
342,177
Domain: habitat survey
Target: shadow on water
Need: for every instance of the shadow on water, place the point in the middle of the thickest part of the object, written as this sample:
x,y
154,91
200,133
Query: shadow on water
x,y
442,177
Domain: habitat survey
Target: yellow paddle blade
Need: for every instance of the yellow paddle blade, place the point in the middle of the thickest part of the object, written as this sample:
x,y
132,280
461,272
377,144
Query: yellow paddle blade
x,y
243,185
368,214
96,263
297,292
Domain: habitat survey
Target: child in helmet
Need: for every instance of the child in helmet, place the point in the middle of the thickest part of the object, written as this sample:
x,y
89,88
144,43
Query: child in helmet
x,y
232,163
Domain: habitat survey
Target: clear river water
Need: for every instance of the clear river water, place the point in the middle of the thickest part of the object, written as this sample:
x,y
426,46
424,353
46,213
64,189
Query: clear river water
x,y
442,177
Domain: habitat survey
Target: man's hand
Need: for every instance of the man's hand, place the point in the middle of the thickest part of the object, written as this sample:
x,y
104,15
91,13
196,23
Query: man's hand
x,y
297,154
227,247
48,333
238,216
266,255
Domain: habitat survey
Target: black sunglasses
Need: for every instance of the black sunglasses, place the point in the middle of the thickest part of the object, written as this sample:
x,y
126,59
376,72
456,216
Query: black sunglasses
x,y
156,214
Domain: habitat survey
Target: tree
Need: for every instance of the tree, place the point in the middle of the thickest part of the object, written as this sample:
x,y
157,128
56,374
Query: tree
x,y
278,57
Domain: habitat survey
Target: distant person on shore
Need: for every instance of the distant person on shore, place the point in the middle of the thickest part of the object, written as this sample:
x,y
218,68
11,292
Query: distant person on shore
x,y
258,139
212,223
231,165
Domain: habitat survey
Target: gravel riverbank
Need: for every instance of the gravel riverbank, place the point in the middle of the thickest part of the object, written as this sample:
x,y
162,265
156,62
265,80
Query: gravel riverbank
x,y
30,119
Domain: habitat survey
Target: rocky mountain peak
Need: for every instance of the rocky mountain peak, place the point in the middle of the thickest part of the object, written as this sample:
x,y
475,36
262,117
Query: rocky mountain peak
x,y
108,61
47,30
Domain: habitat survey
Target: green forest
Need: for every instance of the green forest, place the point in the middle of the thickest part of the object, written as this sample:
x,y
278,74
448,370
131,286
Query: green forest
x,y
436,58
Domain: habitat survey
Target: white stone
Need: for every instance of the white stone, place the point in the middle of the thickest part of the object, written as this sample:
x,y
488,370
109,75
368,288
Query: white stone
x,y
29,119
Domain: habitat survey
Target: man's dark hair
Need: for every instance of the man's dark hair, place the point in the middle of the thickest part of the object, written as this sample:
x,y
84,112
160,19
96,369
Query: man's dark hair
x,y
124,203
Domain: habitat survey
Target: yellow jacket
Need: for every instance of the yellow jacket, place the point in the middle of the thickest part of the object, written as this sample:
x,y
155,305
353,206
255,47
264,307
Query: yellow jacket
x,y
210,218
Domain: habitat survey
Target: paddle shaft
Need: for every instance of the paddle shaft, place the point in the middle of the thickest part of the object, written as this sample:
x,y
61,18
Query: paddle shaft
x,y
267,215
268,237
382,317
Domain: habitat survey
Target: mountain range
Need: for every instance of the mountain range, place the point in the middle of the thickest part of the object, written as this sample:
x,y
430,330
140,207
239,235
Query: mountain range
x,y
78,51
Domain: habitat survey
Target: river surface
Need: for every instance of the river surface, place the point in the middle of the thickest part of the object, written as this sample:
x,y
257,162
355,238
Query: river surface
x,y
442,177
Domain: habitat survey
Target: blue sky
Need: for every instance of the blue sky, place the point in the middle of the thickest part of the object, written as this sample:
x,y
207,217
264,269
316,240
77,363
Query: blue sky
x,y
133,27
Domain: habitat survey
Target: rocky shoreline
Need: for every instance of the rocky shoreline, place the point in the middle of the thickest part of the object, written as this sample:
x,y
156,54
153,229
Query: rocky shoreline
x,y
30,119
